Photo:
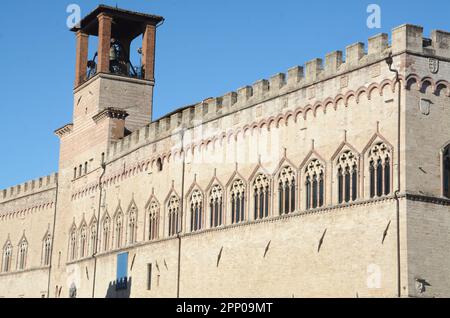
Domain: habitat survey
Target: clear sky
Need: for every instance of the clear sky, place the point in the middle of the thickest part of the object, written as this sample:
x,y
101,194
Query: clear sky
x,y
205,48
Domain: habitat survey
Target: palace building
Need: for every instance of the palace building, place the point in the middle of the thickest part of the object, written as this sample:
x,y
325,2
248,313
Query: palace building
x,y
329,180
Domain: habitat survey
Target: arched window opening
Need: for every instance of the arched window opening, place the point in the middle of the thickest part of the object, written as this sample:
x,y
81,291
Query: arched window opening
x,y
314,184
73,244
173,207
47,250
7,257
286,191
132,225
237,192
347,175
93,238
23,250
118,230
380,170
83,241
105,233
216,206
153,220
196,211
261,192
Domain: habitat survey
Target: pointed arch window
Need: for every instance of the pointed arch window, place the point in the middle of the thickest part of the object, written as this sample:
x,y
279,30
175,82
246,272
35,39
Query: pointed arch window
x,y
7,257
314,184
105,233
173,208
118,226
47,249
73,244
216,206
261,193
286,191
132,225
347,177
379,170
23,251
153,220
83,241
237,193
446,172
196,204
93,238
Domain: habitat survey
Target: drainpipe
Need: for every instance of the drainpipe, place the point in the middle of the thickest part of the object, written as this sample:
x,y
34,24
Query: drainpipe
x,y
389,61
181,213
53,238
94,255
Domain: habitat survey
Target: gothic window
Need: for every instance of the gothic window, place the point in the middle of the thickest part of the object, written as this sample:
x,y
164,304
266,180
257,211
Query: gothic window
x,y
93,238
261,193
23,251
118,224
73,244
314,184
379,170
237,193
196,205
132,225
216,206
47,249
173,208
446,170
7,257
347,177
153,220
83,241
286,191
105,233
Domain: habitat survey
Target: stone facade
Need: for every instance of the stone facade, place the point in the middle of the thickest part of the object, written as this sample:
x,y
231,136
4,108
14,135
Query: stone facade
x,y
298,131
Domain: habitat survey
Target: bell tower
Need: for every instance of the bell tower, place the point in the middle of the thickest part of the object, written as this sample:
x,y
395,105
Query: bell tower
x,y
109,80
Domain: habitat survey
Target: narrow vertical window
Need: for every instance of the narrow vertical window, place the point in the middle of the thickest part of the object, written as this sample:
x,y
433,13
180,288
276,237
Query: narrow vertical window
x,y
83,241
347,184
7,256
132,225
372,179
73,244
446,172
153,220
286,195
308,192
387,176
23,250
354,183
340,186
379,178
47,250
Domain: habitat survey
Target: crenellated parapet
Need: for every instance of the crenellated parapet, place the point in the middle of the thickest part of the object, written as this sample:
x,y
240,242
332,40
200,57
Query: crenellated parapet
x,y
404,39
29,188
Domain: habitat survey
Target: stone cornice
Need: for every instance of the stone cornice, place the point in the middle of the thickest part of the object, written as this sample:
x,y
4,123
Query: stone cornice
x,y
65,130
110,112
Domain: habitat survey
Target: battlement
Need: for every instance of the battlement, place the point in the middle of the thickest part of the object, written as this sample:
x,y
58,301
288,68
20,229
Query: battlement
x,y
404,39
29,187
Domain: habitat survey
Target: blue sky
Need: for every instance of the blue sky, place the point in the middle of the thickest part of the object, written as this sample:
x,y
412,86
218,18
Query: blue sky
x,y
205,48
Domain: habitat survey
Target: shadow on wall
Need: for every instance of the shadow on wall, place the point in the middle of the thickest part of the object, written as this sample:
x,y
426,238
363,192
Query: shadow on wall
x,y
119,288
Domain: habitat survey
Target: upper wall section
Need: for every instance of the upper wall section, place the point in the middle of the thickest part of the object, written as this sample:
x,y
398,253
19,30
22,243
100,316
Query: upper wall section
x,y
29,188
404,39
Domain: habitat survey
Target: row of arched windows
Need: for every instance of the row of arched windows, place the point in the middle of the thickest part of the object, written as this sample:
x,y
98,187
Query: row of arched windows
x,y
22,254
243,201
